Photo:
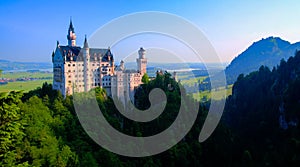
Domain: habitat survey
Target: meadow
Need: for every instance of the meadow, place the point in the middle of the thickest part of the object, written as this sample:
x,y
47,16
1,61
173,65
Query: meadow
x,y
191,81
205,95
15,75
25,85
218,94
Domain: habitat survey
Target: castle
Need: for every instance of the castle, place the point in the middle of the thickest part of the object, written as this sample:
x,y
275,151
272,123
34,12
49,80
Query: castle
x,y
77,69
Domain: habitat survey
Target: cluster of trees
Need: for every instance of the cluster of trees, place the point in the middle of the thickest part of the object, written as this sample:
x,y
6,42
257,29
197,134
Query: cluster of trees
x,y
29,131
41,128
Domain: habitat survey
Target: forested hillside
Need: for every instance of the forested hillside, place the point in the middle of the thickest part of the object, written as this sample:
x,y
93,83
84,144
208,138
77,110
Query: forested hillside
x,y
264,113
40,128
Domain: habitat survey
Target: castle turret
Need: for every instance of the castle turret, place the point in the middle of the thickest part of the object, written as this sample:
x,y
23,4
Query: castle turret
x,y
86,57
142,61
142,53
71,35
122,65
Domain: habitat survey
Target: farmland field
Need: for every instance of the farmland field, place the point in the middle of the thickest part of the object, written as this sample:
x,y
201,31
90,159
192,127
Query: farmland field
x,y
23,85
206,95
192,81
15,75
38,79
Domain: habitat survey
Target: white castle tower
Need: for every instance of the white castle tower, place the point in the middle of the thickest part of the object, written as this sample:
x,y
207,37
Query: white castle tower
x,y
125,81
142,61
71,35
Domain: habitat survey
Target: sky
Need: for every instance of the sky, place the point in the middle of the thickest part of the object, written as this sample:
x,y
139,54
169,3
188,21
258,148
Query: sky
x,y
29,29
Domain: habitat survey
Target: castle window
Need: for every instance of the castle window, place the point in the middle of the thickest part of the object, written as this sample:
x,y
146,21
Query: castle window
x,y
73,65
69,65
69,71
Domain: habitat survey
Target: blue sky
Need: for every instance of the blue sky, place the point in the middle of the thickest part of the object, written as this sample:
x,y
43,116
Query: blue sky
x,y
29,29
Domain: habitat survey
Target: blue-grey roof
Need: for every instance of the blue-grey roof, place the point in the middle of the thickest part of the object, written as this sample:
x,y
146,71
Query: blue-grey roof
x,y
77,55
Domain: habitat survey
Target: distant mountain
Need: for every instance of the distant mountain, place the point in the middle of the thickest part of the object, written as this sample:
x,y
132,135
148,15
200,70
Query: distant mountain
x,y
4,61
267,52
6,65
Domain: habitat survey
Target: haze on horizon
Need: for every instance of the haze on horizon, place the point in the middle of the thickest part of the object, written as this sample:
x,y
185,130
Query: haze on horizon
x,y
29,30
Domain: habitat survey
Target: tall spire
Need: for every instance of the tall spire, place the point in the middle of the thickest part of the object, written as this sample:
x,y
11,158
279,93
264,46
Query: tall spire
x,y
85,45
71,35
71,28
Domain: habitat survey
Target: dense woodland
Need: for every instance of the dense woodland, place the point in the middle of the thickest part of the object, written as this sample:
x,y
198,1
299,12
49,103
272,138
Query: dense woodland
x,y
259,126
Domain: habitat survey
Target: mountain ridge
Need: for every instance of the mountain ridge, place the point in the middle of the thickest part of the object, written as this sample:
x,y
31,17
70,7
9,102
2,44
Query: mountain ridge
x,y
267,52
7,65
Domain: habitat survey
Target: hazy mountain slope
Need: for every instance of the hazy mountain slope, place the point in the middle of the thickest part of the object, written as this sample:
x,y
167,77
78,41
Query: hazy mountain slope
x,y
267,52
6,65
